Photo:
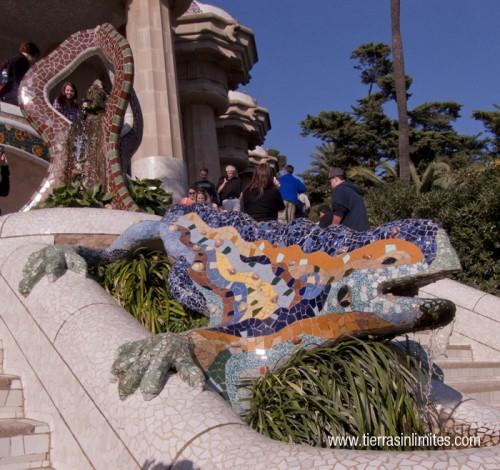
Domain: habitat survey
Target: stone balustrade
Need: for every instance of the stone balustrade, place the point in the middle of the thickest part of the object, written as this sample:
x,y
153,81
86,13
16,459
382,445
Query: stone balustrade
x,y
63,338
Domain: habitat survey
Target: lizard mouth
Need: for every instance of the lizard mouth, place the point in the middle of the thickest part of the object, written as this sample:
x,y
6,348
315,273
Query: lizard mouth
x,y
408,286
434,312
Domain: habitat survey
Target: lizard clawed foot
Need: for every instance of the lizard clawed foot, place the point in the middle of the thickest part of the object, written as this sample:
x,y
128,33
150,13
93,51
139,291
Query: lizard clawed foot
x,y
53,261
145,364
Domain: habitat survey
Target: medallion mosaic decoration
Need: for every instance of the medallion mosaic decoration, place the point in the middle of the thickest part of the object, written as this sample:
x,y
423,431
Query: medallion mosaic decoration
x,y
54,128
20,139
270,289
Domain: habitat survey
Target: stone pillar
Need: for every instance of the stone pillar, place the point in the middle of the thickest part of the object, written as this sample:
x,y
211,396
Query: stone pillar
x,y
149,32
203,91
201,140
240,128
214,54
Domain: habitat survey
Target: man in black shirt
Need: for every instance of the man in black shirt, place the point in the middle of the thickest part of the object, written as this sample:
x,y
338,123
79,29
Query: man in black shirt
x,y
206,185
229,190
348,207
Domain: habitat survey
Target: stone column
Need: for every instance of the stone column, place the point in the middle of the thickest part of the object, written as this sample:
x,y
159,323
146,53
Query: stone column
x,y
149,32
214,54
203,91
240,128
201,140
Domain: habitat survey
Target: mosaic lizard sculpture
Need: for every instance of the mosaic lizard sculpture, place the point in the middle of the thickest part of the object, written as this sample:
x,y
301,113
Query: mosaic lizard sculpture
x,y
268,290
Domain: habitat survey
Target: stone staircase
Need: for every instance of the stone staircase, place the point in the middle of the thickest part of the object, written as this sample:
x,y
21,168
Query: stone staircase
x,y
480,380
24,443
476,379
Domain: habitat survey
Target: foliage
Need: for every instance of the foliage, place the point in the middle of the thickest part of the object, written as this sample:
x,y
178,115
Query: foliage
x,y
364,176
282,159
140,285
149,195
436,116
373,62
469,210
367,136
348,388
491,121
437,175
76,195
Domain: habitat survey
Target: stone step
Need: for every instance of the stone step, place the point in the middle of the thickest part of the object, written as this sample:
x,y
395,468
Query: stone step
x,y
486,390
11,397
23,464
461,370
24,443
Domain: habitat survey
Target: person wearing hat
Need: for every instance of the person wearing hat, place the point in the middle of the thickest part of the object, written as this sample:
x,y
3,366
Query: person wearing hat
x,y
348,206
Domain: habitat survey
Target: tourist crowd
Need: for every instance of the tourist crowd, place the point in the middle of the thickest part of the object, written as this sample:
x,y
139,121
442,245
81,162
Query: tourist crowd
x,y
268,197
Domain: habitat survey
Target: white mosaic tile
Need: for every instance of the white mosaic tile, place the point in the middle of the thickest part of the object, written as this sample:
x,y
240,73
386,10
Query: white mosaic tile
x,y
67,220
75,372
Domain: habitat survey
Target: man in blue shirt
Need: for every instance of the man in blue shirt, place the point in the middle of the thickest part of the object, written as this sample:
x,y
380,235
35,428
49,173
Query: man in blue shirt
x,y
290,188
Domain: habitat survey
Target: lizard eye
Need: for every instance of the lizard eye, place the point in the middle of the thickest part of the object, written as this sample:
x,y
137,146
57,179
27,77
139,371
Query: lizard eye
x,y
344,296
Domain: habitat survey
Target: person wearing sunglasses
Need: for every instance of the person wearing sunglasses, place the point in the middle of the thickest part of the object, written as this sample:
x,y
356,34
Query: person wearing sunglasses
x,y
190,198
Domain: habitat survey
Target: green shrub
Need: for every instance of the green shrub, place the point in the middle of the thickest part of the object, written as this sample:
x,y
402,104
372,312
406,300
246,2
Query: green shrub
x,y
349,388
469,210
75,195
139,284
149,196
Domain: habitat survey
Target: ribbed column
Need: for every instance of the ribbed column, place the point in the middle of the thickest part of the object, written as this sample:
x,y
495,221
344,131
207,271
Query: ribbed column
x,y
160,155
201,140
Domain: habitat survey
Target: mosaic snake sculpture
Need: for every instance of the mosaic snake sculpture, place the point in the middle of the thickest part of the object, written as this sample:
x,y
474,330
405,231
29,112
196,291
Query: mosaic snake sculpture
x,y
268,290
54,128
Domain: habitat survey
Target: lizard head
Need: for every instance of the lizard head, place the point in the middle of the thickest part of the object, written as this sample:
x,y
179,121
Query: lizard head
x,y
278,274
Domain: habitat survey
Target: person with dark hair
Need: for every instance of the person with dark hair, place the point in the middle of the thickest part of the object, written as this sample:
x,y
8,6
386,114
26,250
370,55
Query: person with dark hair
x,y
66,102
15,69
290,188
4,174
261,199
190,198
205,184
348,206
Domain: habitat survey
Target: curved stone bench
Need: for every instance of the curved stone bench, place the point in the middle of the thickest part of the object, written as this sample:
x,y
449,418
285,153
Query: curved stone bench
x,y
63,339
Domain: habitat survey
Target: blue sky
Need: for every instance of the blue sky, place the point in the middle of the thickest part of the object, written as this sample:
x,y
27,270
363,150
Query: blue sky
x,y
451,52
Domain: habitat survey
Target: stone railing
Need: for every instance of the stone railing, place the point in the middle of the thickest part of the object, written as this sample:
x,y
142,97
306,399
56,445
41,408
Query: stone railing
x,y
63,338
477,320
16,132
